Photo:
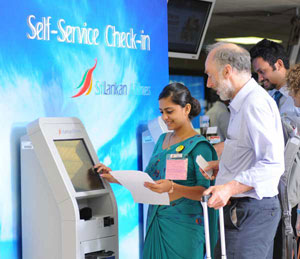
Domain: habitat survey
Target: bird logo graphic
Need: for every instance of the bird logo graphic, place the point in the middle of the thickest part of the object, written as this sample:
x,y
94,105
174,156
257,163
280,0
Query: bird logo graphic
x,y
85,86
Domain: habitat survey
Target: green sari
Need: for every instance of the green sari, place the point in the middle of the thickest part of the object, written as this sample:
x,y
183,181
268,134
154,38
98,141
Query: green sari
x,y
177,231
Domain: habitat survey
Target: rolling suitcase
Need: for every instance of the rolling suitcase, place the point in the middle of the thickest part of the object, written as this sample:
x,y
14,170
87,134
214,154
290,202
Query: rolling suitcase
x,y
206,229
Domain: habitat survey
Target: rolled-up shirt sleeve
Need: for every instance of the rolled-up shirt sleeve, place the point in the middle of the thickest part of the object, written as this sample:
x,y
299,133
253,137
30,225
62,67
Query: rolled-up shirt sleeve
x,y
264,137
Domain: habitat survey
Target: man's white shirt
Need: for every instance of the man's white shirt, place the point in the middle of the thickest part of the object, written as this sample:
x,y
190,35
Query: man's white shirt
x,y
289,113
254,149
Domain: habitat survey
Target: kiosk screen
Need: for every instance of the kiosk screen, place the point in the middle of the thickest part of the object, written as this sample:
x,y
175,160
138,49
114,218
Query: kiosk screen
x,y
78,164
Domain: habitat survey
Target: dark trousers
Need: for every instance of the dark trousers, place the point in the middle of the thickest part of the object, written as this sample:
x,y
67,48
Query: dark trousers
x,y
250,227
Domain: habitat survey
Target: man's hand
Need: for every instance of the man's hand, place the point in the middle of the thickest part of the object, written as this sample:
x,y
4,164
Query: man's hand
x,y
220,196
214,165
222,193
159,186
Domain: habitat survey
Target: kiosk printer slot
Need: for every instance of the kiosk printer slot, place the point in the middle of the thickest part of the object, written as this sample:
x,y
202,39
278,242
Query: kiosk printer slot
x,y
68,212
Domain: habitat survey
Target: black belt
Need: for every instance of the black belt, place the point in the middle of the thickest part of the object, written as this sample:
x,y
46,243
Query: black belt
x,y
250,198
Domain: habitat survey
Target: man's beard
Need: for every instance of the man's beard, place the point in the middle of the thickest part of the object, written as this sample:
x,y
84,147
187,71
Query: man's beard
x,y
225,90
269,87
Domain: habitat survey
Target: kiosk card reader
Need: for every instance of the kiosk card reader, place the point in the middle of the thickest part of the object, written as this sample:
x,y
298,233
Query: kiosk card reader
x,y
68,212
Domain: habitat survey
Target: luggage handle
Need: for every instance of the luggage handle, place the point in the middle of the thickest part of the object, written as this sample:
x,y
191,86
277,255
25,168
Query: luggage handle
x,y
204,201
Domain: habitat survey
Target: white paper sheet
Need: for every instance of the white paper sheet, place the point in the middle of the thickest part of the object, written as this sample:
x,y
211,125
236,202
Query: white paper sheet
x,y
202,163
134,182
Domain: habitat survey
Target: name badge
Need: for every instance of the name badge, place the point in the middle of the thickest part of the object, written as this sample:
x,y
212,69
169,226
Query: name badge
x,y
176,167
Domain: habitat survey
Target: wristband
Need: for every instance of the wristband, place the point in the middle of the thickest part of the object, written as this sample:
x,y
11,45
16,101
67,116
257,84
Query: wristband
x,y
298,211
172,187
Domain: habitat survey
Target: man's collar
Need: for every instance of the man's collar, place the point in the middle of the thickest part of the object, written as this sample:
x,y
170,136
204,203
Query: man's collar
x,y
238,100
284,90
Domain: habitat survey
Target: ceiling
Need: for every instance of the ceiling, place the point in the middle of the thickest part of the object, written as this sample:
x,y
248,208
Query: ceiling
x,y
236,18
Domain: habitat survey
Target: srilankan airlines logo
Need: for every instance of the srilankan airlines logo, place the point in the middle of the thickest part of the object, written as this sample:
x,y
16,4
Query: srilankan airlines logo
x,y
105,88
85,86
68,131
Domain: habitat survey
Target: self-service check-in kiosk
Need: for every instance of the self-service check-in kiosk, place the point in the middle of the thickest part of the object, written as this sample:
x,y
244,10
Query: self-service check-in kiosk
x,y
68,212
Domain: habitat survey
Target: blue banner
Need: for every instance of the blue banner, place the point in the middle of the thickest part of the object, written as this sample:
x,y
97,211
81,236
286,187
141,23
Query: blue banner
x,y
104,62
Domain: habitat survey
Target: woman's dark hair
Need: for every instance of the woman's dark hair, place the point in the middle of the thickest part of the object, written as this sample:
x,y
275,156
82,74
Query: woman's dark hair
x,y
181,95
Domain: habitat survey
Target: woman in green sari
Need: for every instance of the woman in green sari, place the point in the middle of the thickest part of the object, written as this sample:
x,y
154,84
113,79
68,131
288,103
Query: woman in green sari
x,y
177,231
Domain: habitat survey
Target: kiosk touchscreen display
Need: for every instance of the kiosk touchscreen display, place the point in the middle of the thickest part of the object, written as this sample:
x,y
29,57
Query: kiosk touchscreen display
x,y
78,164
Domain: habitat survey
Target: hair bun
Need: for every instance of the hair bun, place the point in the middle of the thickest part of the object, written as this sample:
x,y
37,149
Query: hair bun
x,y
195,108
